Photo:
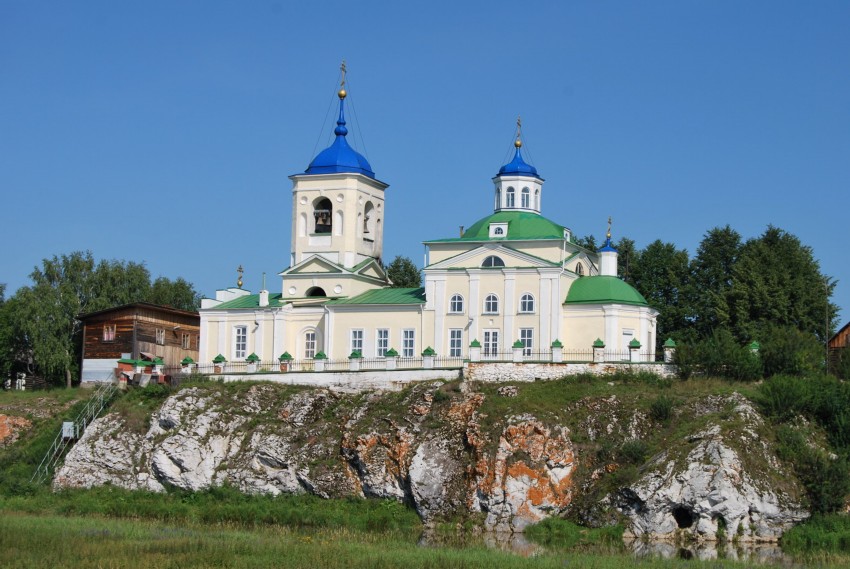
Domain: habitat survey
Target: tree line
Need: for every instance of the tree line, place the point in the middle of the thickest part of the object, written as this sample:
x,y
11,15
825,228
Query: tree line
x,y
39,330
768,289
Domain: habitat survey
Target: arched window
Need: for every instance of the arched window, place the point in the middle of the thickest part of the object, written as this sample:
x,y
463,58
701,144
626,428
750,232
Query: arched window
x,y
322,215
537,200
498,198
526,198
316,291
302,225
510,198
491,304
493,261
456,304
310,344
579,269
526,303
369,221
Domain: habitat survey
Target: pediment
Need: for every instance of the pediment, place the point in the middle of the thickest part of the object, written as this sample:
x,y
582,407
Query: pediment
x,y
475,258
314,265
588,268
373,270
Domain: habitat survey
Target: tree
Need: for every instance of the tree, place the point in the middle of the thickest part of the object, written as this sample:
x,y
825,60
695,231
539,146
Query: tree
x,y
588,242
403,273
661,274
41,329
178,293
626,254
777,280
711,278
62,289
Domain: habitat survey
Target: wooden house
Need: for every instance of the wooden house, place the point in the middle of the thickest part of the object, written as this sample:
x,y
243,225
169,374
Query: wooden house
x,y
839,341
138,331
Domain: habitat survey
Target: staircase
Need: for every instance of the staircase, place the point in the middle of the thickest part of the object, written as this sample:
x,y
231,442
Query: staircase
x,y
72,430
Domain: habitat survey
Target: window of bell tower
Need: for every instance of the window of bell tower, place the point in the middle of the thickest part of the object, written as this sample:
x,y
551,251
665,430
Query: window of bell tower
x,y
322,215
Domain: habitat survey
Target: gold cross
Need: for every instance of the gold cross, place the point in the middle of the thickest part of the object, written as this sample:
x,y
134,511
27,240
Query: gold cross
x,y
342,69
609,227
240,270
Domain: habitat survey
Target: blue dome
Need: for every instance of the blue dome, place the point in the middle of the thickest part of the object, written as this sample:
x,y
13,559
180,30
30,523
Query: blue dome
x,y
518,166
339,156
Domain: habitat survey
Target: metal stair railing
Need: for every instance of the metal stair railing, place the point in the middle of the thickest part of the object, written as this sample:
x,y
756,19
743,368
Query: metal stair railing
x,y
72,430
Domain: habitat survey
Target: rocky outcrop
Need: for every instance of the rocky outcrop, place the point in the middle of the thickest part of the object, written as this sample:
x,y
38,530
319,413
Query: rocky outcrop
x,y
440,452
709,492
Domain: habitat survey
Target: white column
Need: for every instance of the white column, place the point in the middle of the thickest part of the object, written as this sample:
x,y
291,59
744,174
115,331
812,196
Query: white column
x,y
473,308
509,310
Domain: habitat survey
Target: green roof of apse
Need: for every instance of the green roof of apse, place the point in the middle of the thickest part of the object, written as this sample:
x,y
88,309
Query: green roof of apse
x,y
522,225
603,290
386,296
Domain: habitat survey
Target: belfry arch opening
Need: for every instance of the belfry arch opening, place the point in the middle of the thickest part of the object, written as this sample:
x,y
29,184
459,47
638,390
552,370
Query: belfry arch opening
x,y
316,291
322,215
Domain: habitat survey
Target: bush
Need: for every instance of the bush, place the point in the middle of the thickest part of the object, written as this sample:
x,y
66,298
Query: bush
x,y
782,397
633,451
786,350
661,409
719,355
826,479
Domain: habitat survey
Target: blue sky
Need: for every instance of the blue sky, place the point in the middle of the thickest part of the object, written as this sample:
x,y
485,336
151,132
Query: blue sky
x,y
164,132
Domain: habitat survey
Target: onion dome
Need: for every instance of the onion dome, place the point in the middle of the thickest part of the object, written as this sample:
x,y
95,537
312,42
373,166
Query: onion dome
x,y
339,156
607,246
518,166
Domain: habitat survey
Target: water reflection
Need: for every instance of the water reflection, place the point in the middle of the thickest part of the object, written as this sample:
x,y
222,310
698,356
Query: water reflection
x,y
710,551
519,544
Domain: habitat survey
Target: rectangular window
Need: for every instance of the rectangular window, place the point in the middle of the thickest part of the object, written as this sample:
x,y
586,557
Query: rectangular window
x,y
382,343
491,343
240,342
187,341
526,336
408,343
357,341
109,332
160,336
310,345
455,342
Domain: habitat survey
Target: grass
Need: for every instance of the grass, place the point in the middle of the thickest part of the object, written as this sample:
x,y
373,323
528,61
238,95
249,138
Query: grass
x,y
220,505
821,533
28,541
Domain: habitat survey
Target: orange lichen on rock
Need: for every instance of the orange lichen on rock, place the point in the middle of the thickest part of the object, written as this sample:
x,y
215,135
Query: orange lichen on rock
x,y
10,428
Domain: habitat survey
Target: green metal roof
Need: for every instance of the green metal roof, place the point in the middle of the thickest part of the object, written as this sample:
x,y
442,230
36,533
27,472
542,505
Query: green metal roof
x,y
386,296
249,301
522,225
603,290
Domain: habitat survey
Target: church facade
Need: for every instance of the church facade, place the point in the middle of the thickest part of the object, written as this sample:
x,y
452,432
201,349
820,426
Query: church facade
x,y
513,279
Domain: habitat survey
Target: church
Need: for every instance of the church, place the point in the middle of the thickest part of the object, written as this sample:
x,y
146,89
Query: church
x,y
513,279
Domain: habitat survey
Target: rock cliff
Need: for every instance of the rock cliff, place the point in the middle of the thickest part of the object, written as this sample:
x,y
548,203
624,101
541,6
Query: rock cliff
x,y
504,456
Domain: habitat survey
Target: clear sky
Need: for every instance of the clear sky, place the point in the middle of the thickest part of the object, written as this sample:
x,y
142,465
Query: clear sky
x,y
164,132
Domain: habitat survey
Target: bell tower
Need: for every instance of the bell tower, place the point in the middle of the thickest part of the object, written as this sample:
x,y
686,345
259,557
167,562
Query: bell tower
x,y
337,203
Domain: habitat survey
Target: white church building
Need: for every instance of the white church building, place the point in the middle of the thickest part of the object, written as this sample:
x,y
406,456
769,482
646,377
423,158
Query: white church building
x,y
513,279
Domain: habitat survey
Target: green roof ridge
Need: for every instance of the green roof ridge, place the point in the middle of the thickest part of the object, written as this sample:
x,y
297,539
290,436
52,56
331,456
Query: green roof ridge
x,y
602,289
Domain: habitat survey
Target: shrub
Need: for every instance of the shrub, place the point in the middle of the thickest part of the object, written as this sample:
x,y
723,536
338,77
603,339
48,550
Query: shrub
x,y
633,451
719,355
782,397
787,350
826,479
662,408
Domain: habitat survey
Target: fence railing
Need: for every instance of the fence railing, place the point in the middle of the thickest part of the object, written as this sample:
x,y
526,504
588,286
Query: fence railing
x,y
415,362
72,430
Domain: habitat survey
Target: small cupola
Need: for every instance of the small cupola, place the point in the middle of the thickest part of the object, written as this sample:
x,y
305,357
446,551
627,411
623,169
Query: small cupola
x,y
608,256
340,157
518,185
